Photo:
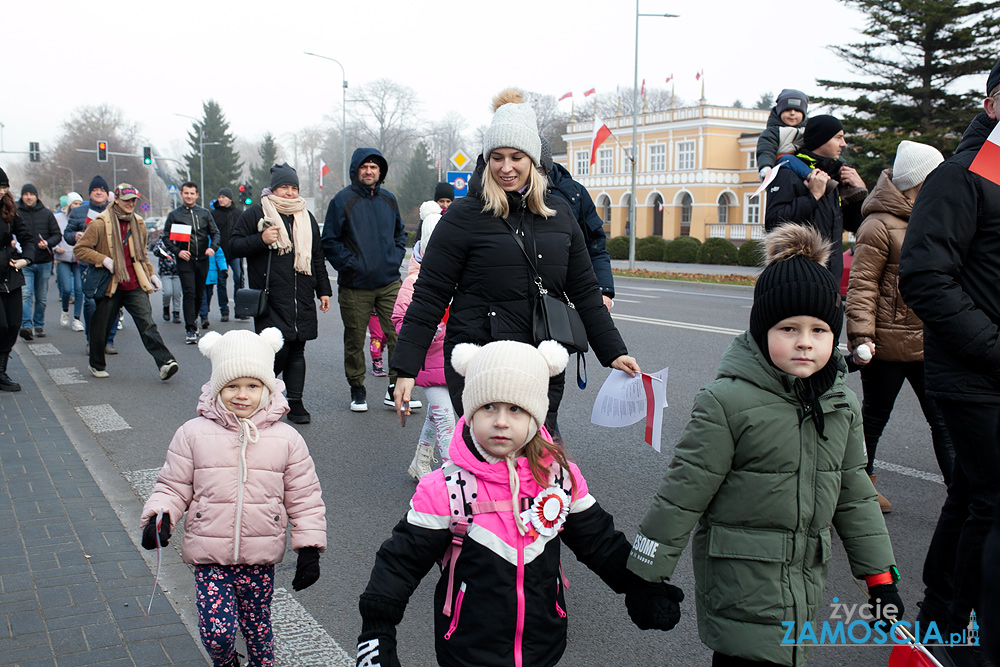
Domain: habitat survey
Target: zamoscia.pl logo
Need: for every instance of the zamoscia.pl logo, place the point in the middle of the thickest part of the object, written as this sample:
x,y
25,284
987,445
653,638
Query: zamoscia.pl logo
x,y
852,624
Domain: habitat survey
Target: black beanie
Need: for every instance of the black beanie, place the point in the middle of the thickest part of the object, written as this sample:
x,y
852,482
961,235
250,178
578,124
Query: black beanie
x,y
546,156
98,182
28,187
994,79
225,192
819,130
795,282
283,174
4,181
444,191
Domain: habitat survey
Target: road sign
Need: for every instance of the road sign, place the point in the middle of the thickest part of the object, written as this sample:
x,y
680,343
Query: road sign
x,y
460,181
145,207
173,190
460,159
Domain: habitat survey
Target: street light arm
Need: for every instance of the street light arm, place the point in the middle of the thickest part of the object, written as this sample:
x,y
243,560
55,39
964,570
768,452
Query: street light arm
x,y
343,112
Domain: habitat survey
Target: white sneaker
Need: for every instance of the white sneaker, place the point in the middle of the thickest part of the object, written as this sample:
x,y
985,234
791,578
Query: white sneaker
x,y
359,402
390,402
78,325
98,374
64,319
168,370
421,463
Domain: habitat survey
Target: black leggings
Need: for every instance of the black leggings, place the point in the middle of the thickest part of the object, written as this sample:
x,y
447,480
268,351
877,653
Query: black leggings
x,y
10,319
290,363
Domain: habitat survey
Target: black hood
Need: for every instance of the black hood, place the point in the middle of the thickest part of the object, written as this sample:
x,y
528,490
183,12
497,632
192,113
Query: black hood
x,y
975,135
362,155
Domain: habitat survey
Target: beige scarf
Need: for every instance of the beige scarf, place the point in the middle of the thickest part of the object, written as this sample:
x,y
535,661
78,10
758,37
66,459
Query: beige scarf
x,y
116,241
274,207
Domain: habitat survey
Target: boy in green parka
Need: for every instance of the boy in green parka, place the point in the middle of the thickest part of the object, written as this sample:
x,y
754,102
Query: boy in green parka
x,y
774,453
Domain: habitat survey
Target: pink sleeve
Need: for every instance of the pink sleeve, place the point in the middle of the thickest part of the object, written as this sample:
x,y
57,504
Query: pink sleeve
x,y
304,498
403,299
581,483
174,486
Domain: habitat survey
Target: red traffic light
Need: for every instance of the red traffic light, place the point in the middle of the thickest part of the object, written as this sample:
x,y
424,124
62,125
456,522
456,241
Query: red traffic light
x,y
243,188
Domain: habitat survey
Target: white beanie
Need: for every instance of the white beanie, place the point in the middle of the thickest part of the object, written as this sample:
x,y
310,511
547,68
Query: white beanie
x,y
72,197
509,372
242,354
514,126
913,162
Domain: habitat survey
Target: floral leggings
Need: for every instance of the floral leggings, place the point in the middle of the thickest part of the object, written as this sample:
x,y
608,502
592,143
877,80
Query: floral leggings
x,y
236,594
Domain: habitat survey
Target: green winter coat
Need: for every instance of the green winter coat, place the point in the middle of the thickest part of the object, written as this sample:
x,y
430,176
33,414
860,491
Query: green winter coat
x,y
763,488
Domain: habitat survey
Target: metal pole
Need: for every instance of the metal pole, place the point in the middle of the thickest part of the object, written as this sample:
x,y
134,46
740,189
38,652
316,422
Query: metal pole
x,y
149,175
114,171
343,76
631,202
201,150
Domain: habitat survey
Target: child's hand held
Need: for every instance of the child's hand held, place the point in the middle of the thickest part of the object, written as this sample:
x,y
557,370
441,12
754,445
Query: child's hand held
x,y
149,533
306,568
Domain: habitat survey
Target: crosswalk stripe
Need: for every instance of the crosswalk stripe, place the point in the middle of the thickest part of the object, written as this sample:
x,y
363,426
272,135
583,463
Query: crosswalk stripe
x,y
101,418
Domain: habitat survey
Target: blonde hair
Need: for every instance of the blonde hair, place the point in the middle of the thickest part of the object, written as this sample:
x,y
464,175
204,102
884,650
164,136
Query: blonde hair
x,y
495,198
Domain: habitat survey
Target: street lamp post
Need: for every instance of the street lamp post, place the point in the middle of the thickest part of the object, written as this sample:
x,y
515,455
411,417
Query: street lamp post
x,y
635,132
201,152
72,181
343,133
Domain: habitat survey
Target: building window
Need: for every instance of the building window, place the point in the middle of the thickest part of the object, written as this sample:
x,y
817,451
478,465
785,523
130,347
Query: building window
x,y
685,155
723,209
582,163
751,159
606,161
604,207
626,200
686,205
658,157
751,210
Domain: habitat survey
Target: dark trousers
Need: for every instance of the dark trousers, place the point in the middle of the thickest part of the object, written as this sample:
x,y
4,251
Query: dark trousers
x,y
953,567
236,268
193,274
355,310
136,302
11,309
290,364
206,301
881,381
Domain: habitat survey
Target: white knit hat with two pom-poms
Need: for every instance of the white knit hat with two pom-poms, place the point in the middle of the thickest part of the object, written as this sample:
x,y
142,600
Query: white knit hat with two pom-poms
x,y
242,353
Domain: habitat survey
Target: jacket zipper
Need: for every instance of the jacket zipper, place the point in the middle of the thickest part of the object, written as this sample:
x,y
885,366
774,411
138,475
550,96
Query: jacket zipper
x,y
519,632
194,233
239,498
458,612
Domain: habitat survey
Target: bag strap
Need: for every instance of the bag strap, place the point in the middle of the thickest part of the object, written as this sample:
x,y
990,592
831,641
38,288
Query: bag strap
x,y
534,269
267,274
462,490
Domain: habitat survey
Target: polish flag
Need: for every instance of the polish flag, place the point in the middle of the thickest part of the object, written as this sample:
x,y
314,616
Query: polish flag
x,y
643,90
698,75
601,133
180,233
323,170
590,92
987,160
669,79
567,95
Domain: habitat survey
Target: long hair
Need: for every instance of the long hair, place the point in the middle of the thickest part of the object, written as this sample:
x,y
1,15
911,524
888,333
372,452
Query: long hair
x,y
8,209
536,450
495,198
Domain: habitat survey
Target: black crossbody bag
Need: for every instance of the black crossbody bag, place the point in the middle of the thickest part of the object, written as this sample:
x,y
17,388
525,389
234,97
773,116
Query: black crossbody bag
x,y
253,302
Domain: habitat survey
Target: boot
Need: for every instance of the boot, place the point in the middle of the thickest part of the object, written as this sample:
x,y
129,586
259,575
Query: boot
x,y
177,317
6,384
421,463
297,413
883,504
166,313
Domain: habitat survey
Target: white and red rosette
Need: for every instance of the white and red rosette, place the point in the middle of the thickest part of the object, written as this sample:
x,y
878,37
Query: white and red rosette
x,y
548,512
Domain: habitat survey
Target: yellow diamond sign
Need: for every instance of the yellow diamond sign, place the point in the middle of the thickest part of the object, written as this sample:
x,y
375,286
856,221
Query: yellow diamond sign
x,y
460,159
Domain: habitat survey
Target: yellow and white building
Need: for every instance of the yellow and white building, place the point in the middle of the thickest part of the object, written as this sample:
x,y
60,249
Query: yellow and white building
x,y
697,171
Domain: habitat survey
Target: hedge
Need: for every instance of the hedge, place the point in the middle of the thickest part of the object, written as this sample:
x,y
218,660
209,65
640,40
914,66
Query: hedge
x,y
682,250
751,253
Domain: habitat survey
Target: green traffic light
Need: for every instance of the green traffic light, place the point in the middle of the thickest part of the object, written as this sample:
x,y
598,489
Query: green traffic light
x,y
248,200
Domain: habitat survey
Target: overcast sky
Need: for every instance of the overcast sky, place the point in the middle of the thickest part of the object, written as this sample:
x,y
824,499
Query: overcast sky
x,y
157,59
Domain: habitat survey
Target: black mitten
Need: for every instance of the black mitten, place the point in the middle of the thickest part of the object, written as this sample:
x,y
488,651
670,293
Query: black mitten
x,y
880,597
653,606
224,273
376,649
149,533
307,568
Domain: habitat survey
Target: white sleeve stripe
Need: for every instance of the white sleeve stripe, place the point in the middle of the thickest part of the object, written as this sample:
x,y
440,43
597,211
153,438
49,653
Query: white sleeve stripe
x,y
429,521
582,504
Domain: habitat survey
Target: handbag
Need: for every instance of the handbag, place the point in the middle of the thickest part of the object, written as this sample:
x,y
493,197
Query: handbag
x,y
253,302
96,278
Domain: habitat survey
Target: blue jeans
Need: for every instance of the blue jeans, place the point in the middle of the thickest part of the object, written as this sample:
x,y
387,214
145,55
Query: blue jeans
x,y
206,301
236,268
69,277
36,286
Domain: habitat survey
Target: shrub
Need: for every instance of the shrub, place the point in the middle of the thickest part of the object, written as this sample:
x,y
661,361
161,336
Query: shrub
x,y
650,248
751,253
717,251
617,247
682,250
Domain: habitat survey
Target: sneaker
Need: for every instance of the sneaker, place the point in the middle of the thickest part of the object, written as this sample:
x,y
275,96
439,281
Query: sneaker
x,y
98,374
166,314
64,319
224,318
78,326
121,321
359,402
421,463
378,370
168,370
110,349
177,317
242,318
27,333
390,402
39,333
204,323
191,338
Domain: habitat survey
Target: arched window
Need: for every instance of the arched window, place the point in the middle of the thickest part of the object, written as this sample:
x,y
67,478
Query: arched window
x,y
686,206
625,214
723,209
657,203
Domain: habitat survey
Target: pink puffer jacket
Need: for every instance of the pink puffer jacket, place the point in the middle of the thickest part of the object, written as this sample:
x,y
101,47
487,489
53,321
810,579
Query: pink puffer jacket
x,y
432,372
241,482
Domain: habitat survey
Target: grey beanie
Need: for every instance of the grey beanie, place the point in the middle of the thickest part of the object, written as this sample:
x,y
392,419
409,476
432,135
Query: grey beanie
x,y
789,98
283,174
514,126
225,192
913,162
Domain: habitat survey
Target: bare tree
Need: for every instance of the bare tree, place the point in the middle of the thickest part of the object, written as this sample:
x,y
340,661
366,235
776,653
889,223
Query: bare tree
x,y
388,118
449,137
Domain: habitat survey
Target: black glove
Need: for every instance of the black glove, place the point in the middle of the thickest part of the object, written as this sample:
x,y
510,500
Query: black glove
x,y
376,649
149,533
307,568
880,597
224,273
653,606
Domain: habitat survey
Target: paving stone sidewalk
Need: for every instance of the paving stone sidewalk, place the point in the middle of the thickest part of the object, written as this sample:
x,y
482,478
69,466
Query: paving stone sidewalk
x,y
73,586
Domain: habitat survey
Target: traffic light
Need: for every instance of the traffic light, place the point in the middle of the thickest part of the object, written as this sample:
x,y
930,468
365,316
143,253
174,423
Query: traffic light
x,y
246,195
147,155
34,155
102,151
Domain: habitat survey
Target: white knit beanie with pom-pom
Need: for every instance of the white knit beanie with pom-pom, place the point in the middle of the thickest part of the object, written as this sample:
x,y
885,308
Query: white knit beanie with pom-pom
x,y
509,372
242,353
514,126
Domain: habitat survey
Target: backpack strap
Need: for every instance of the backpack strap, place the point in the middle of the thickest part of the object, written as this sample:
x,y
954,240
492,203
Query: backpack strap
x,y
462,492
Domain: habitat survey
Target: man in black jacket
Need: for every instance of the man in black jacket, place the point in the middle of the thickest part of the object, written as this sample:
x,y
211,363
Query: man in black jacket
x,y
817,201
948,273
198,227
45,232
225,215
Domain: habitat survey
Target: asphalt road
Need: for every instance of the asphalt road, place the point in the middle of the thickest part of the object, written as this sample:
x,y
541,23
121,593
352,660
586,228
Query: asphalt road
x,y
362,459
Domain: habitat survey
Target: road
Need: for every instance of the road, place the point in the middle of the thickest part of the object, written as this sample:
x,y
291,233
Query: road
x,y
362,458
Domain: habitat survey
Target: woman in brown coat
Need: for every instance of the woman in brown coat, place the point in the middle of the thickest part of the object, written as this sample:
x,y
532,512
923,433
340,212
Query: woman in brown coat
x,y
877,317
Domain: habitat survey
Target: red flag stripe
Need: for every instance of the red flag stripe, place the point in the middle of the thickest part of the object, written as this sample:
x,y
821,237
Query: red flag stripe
x,y
569,94
987,161
647,386
590,92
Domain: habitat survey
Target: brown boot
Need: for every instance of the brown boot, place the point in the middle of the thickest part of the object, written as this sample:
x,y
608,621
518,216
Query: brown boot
x,y
883,503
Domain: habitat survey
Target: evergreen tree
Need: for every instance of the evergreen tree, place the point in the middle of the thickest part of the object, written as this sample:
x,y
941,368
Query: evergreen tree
x,y
417,186
765,102
916,50
222,162
260,175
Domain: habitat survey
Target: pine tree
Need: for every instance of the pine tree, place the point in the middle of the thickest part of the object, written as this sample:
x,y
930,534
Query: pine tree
x,y
222,162
915,52
417,185
260,175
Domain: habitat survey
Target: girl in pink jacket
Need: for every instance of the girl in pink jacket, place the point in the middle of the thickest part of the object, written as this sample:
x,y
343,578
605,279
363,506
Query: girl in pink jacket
x,y
241,475
440,420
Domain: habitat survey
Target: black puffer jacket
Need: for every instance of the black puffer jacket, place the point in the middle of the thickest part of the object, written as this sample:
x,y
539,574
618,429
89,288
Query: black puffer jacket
x,y
292,295
475,264
949,270
42,225
204,233
562,184
10,278
225,219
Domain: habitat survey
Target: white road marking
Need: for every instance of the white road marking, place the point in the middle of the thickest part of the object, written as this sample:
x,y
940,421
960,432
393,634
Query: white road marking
x,y
44,349
909,472
638,296
102,418
617,299
678,325
70,375
690,293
